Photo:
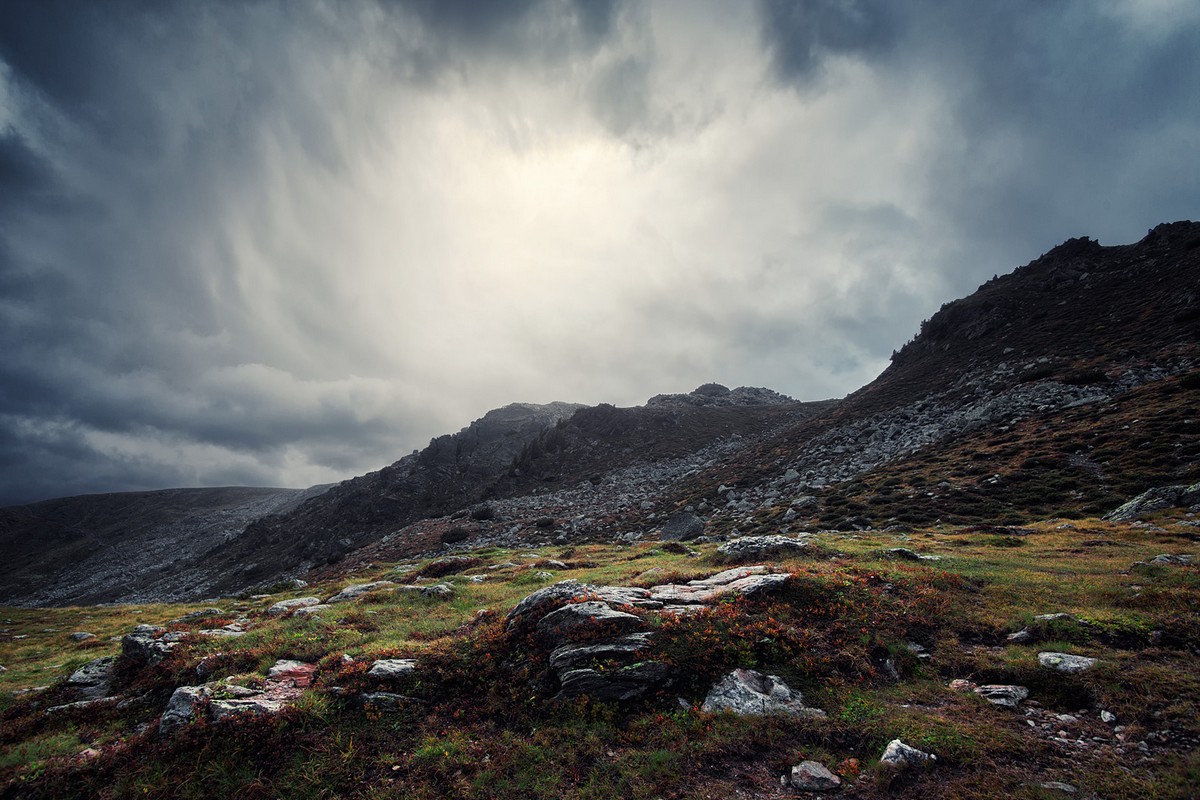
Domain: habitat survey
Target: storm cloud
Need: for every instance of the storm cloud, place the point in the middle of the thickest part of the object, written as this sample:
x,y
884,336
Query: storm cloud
x,y
283,243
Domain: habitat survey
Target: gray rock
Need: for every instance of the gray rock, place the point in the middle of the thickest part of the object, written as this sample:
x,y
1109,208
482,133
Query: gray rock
x,y
620,648
392,668
258,704
181,707
317,609
902,756
1177,559
527,612
905,554
745,691
144,646
438,590
574,621
1065,662
1059,786
701,593
284,606
626,683
1023,636
1108,717
202,613
284,666
94,677
812,776
681,528
355,591
382,701
82,636
748,548
1002,695
1153,500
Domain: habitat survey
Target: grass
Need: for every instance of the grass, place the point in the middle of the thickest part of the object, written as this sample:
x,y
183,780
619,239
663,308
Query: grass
x,y
483,727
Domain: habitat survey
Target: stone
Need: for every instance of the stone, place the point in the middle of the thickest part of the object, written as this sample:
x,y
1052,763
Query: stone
x,y
906,554
181,707
575,621
1003,695
317,609
93,678
620,648
746,691
284,606
143,645
812,776
1059,786
527,612
1177,559
355,591
749,548
392,668
1023,636
82,636
1065,662
902,756
438,590
700,592
258,704
381,701
626,683
962,685
1153,500
202,613
298,672
1108,717
681,528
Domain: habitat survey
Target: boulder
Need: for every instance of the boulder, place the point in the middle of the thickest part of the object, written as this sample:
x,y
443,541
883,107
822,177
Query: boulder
x,y
304,611
82,636
619,648
93,678
357,590
298,672
1177,559
626,683
749,548
284,606
745,691
1065,662
438,590
1002,695
578,620
256,704
709,590
905,554
381,701
392,668
527,612
181,707
144,645
681,528
1155,499
812,776
901,756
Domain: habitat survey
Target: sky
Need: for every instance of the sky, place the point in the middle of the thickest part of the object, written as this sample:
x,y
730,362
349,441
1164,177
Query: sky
x,y
283,243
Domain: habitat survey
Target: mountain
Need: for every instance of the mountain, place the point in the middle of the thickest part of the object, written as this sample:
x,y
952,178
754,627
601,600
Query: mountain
x,y
1061,389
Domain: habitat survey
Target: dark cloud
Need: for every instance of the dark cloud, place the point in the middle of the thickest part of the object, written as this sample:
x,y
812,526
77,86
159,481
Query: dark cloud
x,y
282,243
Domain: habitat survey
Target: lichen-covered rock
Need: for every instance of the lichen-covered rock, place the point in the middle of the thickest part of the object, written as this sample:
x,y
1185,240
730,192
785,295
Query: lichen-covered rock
x,y
531,609
284,606
710,590
578,620
181,707
144,645
681,528
902,756
438,590
355,591
812,776
746,691
749,548
1155,499
1002,695
619,648
626,683
93,678
1065,662
392,668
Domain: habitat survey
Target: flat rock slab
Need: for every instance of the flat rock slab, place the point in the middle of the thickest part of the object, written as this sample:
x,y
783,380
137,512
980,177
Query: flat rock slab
x,y
620,648
578,620
1065,662
753,547
627,683
391,668
691,594
746,691
284,606
355,591
298,672
1002,695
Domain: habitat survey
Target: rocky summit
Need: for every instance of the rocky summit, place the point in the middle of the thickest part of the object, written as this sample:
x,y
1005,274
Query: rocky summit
x,y
975,577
